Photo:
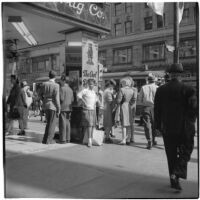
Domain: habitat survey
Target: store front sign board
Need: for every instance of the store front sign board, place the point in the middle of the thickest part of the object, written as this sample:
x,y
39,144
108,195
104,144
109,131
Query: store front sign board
x,y
86,12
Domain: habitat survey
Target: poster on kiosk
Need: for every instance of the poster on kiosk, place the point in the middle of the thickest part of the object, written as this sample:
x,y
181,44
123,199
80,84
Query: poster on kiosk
x,y
89,61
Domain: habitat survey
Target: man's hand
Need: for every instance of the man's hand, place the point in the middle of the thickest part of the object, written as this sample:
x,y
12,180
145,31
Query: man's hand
x,y
57,114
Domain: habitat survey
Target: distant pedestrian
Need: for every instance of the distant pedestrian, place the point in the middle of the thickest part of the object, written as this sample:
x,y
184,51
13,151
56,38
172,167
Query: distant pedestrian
x,y
88,98
22,108
108,108
175,116
12,102
125,99
51,101
146,98
66,99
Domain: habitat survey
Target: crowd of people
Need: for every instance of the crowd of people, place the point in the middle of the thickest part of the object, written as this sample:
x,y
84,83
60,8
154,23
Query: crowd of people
x,y
168,108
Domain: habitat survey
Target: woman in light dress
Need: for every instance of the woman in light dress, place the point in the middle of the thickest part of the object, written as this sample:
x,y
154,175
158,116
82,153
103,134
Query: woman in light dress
x,y
125,99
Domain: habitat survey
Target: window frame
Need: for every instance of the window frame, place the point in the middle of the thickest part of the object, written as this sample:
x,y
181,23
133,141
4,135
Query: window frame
x,y
118,11
128,6
184,40
153,44
131,27
121,49
116,29
163,20
145,27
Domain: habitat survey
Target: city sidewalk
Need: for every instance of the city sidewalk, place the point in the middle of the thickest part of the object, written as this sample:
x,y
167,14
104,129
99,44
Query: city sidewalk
x,y
35,170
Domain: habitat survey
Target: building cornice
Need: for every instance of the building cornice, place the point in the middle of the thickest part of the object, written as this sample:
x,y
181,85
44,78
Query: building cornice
x,y
146,36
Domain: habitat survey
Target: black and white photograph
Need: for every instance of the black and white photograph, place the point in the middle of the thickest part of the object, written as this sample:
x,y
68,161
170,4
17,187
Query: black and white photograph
x,y
100,100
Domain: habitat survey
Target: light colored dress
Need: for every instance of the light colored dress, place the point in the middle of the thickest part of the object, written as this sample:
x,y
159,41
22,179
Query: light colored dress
x,y
108,104
125,98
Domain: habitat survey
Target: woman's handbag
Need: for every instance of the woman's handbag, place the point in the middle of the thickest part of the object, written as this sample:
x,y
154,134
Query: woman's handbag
x,y
14,114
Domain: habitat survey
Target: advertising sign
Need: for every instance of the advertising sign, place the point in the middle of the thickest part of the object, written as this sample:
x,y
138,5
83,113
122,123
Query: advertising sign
x,y
87,12
89,60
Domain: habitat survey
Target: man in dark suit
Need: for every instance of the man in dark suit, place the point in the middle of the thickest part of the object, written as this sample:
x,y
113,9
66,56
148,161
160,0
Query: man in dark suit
x,y
175,112
66,99
51,104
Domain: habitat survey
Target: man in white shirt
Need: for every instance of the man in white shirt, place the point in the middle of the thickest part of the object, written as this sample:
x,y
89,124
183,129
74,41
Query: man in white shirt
x,y
146,98
88,99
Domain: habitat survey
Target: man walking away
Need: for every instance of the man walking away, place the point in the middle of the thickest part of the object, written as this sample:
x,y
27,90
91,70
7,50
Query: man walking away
x,y
175,116
50,92
146,97
66,99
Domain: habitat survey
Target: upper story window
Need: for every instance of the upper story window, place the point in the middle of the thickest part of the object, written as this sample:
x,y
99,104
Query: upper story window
x,y
102,57
185,14
128,7
128,27
118,29
153,52
122,56
118,9
160,21
148,23
145,5
187,48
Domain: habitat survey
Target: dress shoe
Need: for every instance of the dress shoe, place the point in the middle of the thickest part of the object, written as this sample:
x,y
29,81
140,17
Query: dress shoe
x,y
128,143
154,143
21,133
175,183
132,141
149,145
108,141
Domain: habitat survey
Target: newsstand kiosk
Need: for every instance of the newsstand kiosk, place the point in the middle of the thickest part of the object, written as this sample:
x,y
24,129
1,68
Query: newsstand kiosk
x,y
81,65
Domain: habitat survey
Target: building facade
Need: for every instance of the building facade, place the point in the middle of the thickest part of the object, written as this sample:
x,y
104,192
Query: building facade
x,y
141,40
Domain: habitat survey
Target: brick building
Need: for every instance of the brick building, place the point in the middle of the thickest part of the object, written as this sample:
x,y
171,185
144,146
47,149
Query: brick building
x,y
139,37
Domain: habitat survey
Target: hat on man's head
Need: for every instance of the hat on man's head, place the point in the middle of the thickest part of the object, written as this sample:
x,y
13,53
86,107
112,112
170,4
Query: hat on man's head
x,y
151,77
24,83
176,68
52,74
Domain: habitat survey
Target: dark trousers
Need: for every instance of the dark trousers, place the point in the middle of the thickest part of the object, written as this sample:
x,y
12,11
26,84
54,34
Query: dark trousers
x,y
148,121
50,126
64,126
178,149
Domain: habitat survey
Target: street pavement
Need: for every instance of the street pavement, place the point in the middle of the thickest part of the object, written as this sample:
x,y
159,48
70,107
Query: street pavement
x,y
35,170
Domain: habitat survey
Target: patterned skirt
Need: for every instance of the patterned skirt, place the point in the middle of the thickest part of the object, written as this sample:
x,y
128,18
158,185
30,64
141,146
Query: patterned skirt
x,y
88,118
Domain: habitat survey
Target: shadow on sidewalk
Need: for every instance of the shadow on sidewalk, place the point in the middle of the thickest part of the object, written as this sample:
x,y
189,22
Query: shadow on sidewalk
x,y
58,174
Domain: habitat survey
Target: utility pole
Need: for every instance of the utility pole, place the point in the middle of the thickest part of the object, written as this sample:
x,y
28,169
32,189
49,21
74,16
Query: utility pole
x,y
176,32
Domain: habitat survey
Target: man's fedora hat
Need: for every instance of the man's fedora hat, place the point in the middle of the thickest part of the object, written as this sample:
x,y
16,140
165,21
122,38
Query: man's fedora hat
x,y
176,68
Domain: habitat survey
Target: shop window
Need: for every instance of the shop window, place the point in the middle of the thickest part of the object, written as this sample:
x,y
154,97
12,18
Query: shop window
x,y
122,56
55,62
128,27
118,29
118,9
154,52
148,23
40,64
187,48
102,58
128,7
160,21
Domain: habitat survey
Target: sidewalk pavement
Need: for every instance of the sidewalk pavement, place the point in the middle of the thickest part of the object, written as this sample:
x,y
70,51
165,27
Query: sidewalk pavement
x,y
35,170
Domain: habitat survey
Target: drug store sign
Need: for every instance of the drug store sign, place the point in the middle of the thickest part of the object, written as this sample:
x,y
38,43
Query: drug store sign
x,y
88,12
